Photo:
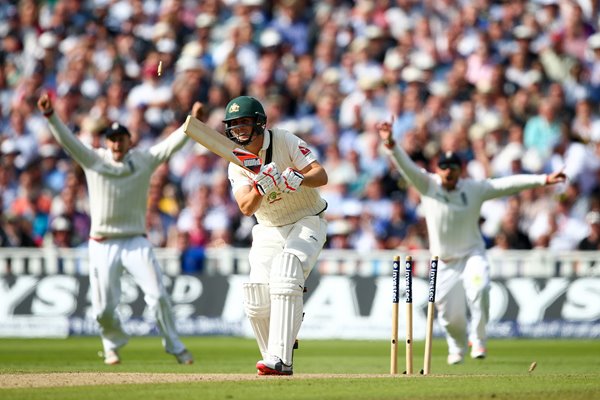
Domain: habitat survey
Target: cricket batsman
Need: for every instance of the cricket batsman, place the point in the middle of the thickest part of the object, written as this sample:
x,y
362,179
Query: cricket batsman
x,y
290,232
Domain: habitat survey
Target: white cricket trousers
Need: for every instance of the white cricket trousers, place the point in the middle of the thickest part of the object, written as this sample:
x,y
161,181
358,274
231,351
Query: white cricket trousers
x,y
304,239
108,258
463,283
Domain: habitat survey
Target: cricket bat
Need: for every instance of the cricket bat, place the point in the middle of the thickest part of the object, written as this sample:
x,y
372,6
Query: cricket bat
x,y
220,145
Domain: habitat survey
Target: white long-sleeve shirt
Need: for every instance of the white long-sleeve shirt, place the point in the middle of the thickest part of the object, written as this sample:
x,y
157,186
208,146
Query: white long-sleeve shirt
x,y
117,190
452,217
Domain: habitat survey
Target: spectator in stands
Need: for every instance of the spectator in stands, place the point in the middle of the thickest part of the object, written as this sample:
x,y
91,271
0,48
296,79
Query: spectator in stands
x,y
32,201
543,131
92,54
366,102
53,172
560,227
199,170
23,139
160,226
515,238
396,227
375,201
338,232
592,241
16,231
60,233
583,120
192,257
574,31
151,94
9,185
594,66
79,219
481,62
191,219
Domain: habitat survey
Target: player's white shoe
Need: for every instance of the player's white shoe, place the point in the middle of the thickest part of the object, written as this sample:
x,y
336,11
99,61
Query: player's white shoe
x,y
185,357
273,366
478,352
454,359
111,357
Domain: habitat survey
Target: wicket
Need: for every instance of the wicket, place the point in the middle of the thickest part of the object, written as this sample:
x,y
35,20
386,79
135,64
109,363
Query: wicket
x,y
395,299
408,268
430,315
409,315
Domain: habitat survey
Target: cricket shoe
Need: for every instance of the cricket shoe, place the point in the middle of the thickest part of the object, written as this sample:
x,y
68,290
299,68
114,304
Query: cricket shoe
x,y
111,357
454,359
185,357
273,366
478,352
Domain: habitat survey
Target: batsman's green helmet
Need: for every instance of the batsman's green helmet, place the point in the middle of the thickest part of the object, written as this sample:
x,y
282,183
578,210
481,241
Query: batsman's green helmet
x,y
245,106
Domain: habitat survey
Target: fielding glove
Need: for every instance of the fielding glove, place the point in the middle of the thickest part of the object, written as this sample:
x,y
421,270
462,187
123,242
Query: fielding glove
x,y
267,179
290,180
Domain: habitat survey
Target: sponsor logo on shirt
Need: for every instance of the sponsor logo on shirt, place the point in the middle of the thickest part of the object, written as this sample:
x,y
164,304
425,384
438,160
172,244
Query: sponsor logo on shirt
x,y
304,150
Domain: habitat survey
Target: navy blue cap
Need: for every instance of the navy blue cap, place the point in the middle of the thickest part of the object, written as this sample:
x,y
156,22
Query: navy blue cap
x,y
116,129
448,159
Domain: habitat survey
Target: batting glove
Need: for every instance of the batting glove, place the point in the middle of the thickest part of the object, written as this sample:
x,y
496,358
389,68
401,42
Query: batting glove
x,y
267,180
290,180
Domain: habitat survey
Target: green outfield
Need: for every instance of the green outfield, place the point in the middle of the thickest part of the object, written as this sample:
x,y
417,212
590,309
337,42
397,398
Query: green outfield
x,y
224,369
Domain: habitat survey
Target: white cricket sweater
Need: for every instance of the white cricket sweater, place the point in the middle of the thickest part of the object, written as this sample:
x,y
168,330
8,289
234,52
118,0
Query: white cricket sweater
x,y
452,217
117,191
277,208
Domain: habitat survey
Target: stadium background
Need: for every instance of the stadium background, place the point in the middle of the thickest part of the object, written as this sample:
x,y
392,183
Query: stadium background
x,y
512,86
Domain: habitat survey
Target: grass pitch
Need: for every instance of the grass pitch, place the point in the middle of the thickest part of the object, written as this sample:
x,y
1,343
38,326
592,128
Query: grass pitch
x,y
224,369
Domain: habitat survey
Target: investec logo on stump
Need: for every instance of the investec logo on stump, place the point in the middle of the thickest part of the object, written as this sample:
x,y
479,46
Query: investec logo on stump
x,y
336,306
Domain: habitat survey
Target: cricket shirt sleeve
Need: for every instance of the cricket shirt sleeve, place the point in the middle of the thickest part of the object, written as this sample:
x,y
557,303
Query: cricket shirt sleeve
x,y
300,154
500,187
418,177
238,177
163,150
85,156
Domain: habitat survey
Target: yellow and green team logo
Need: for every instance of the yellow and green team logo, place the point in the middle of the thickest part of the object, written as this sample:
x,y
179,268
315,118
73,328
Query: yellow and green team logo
x,y
234,108
273,197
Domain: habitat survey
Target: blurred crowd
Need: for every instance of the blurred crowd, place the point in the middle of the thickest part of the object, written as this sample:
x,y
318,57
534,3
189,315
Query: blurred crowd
x,y
513,86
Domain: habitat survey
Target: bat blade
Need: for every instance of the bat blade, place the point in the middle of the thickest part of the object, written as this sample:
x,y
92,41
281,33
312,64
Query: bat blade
x,y
220,145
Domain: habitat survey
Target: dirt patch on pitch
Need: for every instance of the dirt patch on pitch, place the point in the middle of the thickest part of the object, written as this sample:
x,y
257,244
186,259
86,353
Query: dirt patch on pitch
x,y
116,378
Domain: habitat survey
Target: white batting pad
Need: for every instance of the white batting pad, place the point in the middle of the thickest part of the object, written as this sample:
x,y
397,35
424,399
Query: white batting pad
x,y
286,287
257,303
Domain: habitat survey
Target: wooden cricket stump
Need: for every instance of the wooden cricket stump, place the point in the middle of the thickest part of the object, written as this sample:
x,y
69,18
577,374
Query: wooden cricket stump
x,y
430,315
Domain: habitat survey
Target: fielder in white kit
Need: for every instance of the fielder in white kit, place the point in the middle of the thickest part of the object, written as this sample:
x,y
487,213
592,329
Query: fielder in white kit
x,y
452,208
118,178
290,233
